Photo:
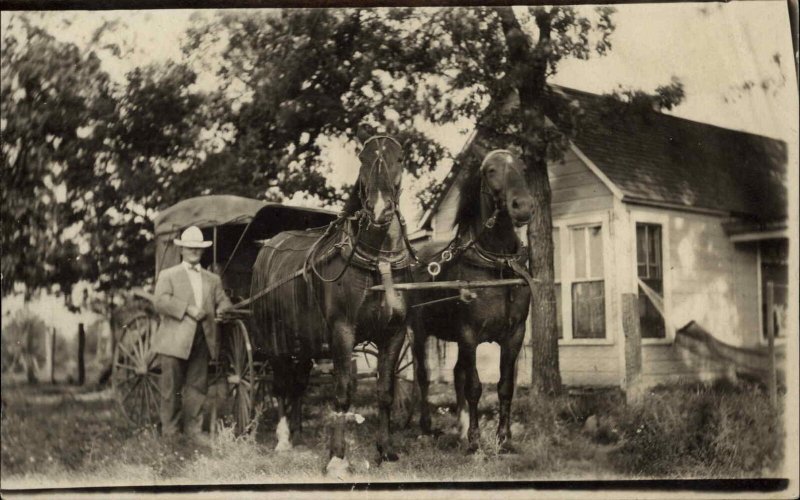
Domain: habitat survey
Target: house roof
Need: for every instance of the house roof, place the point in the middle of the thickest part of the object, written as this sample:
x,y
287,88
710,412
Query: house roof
x,y
655,158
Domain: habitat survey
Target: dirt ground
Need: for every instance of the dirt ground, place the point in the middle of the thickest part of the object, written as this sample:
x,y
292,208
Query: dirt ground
x,y
60,436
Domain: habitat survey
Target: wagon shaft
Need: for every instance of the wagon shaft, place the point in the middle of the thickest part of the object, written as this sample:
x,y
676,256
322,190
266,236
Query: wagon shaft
x,y
439,285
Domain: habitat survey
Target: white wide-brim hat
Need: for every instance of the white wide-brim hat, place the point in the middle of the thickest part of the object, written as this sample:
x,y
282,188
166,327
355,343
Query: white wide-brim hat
x,y
192,237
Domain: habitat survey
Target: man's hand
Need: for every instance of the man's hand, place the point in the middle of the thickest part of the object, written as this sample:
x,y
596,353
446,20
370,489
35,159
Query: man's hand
x,y
195,313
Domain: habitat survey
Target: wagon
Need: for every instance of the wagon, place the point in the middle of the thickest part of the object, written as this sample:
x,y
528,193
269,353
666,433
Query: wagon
x,y
236,226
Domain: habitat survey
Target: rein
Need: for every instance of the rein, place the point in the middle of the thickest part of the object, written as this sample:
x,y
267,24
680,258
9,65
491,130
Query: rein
x,y
454,249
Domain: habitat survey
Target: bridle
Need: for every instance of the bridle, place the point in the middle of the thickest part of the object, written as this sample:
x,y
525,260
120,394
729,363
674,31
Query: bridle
x,y
379,165
455,248
364,218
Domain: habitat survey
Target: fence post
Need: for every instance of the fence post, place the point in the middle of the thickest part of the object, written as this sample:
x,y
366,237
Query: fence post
x,y
81,348
633,346
772,382
49,349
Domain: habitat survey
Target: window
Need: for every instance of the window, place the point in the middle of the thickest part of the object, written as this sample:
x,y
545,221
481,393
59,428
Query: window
x,y
650,272
588,286
557,279
775,270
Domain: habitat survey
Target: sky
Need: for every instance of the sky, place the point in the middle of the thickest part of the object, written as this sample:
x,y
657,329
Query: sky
x,y
711,47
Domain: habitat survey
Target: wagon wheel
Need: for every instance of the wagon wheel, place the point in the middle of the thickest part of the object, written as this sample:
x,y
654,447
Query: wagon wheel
x,y
240,375
135,371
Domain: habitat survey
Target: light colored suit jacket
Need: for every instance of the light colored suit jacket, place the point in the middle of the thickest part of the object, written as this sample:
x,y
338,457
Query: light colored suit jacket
x,y
173,296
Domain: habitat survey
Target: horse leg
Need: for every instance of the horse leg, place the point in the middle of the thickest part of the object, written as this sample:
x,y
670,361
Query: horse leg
x,y
459,382
472,391
302,372
509,350
280,388
421,376
342,349
387,361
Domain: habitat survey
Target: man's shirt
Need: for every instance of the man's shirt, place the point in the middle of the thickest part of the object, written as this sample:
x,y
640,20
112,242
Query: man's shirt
x,y
197,283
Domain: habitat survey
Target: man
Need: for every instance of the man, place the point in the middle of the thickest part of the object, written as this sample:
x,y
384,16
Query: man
x,y
188,298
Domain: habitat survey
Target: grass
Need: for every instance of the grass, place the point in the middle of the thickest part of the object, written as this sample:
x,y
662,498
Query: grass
x,y
722,430
673,432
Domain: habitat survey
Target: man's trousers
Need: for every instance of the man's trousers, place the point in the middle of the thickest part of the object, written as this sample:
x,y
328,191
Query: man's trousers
x,y
184,385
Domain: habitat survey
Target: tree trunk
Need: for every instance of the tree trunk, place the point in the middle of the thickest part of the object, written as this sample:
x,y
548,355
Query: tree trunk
x,y
529,75
545,372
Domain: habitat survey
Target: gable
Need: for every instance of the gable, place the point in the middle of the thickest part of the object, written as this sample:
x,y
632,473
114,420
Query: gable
x,y
575,188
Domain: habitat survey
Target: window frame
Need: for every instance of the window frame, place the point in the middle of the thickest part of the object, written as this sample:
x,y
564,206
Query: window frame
x,y
663,220
763,340
565,226
648,267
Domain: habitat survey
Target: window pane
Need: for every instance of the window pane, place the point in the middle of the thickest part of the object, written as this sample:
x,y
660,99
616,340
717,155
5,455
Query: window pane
x,y
559,323
557,254
588,310
595,252
651,322
655,245
641,249
579,251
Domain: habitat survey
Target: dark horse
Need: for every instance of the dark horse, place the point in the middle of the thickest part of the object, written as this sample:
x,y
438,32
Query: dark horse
x,y
314,299
494,199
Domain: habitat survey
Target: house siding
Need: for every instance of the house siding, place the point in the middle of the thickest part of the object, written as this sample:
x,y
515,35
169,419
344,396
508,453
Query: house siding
x,y
575,189
711,281
580,365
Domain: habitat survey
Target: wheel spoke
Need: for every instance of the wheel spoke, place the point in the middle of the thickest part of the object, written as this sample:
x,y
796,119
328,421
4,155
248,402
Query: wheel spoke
x,y
402,368
125,366
146,400
133,388
152,406
127,380
125,351
403,352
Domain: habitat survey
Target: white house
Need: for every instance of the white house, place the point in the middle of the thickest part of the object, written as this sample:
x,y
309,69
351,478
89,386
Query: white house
x,y
689,217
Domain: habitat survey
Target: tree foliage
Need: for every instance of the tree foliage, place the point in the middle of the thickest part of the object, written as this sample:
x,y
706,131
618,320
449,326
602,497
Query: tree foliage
x,y
50,94
81,157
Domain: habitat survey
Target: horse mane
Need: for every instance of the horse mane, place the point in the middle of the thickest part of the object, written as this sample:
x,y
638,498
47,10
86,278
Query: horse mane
x,y
353,203
469,203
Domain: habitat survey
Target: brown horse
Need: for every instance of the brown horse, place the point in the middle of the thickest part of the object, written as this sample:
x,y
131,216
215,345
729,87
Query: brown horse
x,y
316,301
494,199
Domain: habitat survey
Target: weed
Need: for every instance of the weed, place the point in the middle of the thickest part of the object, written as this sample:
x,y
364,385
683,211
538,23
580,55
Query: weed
x,y
719,430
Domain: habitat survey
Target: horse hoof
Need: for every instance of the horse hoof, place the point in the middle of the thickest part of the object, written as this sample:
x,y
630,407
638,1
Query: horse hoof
x,y
432,431
387,455
283,446
506,448
338,468
472,448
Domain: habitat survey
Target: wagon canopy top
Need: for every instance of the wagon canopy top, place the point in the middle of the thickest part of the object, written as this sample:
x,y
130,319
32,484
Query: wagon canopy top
x,y
207,211
236,225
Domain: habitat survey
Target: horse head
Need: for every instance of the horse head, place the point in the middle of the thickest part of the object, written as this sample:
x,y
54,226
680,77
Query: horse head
x,y
502,178
379,178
